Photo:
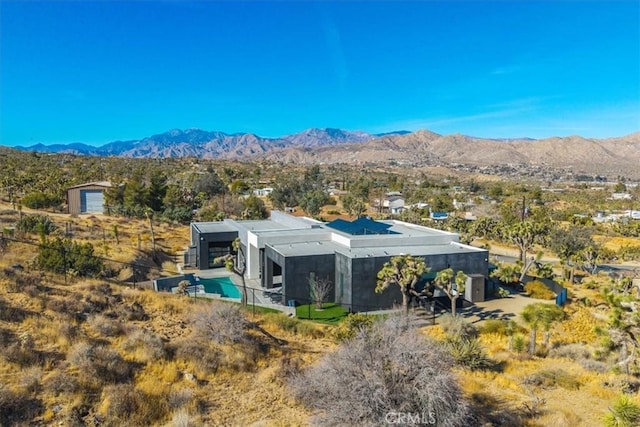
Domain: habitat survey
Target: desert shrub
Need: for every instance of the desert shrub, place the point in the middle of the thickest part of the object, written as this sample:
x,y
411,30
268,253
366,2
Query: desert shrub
x,y
551,378
40,200
494,326
6,337
590,284
282,321
133,311
17,408
624,413
105,326
36,224
223,323
456,326
353,325
64,255
69,331
180,398
67,306
126,405
101,363
60,381
148,345
539,290
203,355
293,325
308,329
594,365
571,351
31,379
22,353
468,352
519,343
288,367
182,419
502,292
393,368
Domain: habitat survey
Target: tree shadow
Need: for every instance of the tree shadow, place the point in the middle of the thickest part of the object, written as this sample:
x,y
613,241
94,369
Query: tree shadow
x,y
483,314
494,411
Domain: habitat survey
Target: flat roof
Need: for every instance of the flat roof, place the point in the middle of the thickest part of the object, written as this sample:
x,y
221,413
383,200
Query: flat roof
x,y
259,225
307,248
314,247
213,227
414,250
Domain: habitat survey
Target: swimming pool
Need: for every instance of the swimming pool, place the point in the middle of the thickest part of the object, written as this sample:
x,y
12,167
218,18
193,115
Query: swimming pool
x,y
220,285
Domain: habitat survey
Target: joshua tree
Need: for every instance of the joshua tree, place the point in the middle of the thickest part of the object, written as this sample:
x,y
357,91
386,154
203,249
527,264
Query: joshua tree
x,y
540,315
404,271
452,284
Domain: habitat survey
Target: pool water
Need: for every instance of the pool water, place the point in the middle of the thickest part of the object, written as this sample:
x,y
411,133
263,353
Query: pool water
x,y
221,285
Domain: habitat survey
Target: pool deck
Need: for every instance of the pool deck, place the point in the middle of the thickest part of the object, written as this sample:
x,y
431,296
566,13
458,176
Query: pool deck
x,y
255,290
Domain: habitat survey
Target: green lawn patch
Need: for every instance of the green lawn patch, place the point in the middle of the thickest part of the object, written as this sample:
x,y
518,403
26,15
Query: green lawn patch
x,y
331,313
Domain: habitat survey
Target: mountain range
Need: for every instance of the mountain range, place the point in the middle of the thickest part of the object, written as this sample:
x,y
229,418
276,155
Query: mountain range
x,y
607,156
204,144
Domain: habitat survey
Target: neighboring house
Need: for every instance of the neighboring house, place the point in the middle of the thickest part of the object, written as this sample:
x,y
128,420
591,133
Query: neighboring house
x,y
393,203
396,206
87,198
263,192
286,251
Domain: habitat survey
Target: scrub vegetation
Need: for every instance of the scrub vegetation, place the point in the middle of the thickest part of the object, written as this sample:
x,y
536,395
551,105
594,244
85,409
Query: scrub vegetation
x,y
83,341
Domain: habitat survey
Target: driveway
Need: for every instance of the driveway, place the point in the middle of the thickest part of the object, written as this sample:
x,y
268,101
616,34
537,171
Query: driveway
x,y
500,308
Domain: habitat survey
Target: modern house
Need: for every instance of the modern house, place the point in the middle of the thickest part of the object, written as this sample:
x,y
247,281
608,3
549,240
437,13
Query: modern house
x,y
87,198
286,251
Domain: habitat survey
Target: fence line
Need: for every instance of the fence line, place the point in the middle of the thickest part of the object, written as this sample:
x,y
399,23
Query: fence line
x,y
255,300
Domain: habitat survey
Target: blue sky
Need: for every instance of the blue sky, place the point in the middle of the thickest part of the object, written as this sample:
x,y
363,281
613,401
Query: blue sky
x,y
101,71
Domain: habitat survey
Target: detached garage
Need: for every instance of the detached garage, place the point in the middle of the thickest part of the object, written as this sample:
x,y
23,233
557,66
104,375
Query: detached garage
x,y
87,198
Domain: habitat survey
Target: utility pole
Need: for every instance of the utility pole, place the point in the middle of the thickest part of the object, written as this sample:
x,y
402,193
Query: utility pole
x,y
524,199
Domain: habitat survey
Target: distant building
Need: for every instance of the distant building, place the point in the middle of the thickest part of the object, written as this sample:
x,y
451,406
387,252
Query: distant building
x,y
263,192
87,198
621,196
393,203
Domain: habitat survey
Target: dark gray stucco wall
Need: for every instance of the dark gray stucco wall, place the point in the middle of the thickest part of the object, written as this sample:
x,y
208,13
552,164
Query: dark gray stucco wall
x,y
296,272
364,278
468,262
202,241
360,277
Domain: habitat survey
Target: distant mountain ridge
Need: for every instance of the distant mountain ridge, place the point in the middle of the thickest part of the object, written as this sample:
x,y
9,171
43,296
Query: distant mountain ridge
x,y
608,156
205,144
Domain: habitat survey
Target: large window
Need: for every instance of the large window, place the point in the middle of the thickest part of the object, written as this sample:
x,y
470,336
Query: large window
x,y
215,252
